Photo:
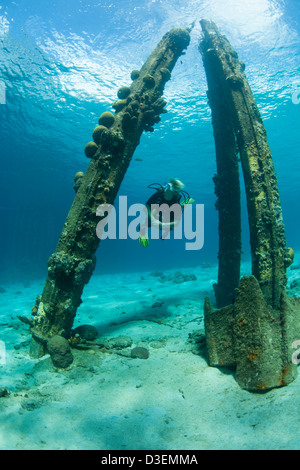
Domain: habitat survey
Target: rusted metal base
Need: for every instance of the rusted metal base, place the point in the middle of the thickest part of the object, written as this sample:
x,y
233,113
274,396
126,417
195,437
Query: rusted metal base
x,y
254,338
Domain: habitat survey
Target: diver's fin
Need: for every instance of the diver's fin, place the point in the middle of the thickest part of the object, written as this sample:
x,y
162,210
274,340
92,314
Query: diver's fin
x,y
144,241
188,200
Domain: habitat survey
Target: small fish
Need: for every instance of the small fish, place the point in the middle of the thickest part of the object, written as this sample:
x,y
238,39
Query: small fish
x,y
138,159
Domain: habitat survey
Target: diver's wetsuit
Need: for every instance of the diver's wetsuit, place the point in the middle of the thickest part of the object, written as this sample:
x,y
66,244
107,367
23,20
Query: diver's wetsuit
x,y
160,211
158,198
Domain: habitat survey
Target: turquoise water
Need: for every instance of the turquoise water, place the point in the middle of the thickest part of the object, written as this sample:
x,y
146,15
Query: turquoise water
x,y
62,64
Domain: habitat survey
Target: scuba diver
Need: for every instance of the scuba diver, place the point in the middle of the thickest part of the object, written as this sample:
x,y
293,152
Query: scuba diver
x,y
165,196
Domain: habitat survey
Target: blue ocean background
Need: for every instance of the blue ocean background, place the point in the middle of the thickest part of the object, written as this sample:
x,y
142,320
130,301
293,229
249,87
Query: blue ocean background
x,y
61,66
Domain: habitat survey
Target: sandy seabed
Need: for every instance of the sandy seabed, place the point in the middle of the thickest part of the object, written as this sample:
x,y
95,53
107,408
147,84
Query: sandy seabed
x,y
107,400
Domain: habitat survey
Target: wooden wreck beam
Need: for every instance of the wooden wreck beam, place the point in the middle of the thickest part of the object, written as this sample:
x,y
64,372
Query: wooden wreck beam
x,y
227,185
267,235
255,333
115,139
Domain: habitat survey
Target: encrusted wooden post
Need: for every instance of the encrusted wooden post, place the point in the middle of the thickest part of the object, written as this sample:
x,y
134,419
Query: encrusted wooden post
x,y
227,186
267,237
115,139
255,333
